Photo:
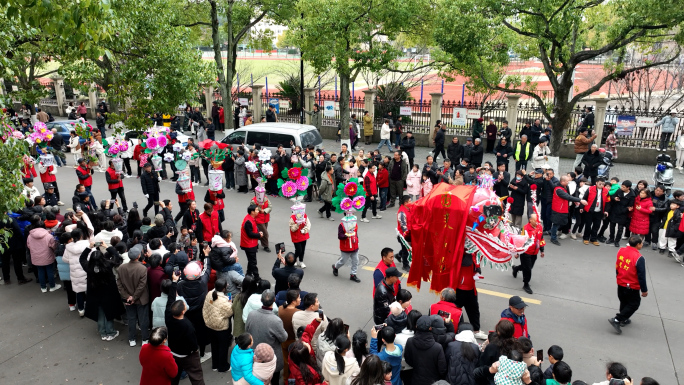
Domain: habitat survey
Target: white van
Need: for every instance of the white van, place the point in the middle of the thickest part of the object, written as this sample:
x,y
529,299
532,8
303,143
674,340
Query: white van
x,y
270,135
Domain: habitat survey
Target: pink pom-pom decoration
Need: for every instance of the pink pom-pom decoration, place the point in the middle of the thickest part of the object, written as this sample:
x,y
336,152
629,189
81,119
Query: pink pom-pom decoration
x,y
359,202
152,143
162,141
289,189
346,204
302,183
350,189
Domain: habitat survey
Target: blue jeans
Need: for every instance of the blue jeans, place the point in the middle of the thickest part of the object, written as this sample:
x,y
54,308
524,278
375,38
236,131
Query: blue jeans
x,y
60,162
46,274
387,142
234,267
230,179
92,198
104,326
554,232
397,139
383,197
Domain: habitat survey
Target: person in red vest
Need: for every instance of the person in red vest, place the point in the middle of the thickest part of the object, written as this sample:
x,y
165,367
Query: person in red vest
x,y
84,174
47,176
466,293
249,239
28,171
349,249
595,210
386,261
402,228
371,187
264,216
115,183
529,257
299,233
216,199
210,223
516,314
630,269
447,304
183,200
559,208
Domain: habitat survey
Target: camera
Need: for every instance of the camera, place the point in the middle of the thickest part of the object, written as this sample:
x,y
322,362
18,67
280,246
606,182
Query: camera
x,y
280,248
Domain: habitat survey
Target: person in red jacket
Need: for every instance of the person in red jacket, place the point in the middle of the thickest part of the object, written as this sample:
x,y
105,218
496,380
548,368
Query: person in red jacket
x,y
303,355
264,216
630,270
137,150
299,232
447,304
529,257
643,207
28,171
210,223
349,249
249,239
115,184
371,187
382,180
158,365
516,314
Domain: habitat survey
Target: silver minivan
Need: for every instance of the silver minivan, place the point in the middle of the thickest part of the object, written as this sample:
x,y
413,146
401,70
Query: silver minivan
x,y
270,135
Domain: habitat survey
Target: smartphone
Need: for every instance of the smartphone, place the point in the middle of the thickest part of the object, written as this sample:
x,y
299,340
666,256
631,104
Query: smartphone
x,y
320,314
378,327
540,355
98,244
443,313
280,248
176,270
346,328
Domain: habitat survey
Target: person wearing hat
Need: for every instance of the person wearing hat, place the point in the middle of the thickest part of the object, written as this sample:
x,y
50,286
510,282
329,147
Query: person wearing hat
x,y
150,187
582,144
541,154
619,207
132,284
424,354
50,196
669,124
504,152
385,294
522,153
476,153
515,313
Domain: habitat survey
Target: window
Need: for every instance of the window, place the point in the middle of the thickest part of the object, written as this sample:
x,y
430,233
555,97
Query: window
x,y
237,137
278,139
311,137
257,137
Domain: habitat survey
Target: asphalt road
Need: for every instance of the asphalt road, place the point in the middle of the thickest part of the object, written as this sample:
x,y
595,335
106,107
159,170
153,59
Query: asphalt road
x,y
575,294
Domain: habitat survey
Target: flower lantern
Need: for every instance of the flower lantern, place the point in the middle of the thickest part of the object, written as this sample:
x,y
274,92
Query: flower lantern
x,y
349,196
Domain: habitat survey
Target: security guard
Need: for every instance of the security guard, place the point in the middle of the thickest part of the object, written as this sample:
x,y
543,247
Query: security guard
x,y
630,269
522,153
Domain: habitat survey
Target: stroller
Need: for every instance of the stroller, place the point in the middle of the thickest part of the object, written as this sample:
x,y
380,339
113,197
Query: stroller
x,y
604,169
664,173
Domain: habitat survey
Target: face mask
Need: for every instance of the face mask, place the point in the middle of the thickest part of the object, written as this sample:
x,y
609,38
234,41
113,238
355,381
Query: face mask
x,y
518,177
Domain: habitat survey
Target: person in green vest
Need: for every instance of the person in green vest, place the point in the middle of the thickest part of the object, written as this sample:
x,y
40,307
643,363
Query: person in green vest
x,y
522,153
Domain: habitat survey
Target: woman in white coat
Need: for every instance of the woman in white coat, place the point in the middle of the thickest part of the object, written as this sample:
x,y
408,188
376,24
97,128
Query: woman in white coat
x,y
540,155
75,147
72,252
126,156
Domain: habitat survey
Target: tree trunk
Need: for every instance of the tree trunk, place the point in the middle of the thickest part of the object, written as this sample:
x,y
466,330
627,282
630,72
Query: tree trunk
x,y
217,56
344,105
562,111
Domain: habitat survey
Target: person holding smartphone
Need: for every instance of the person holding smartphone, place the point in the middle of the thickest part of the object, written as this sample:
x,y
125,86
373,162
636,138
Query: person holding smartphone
x,y
132,285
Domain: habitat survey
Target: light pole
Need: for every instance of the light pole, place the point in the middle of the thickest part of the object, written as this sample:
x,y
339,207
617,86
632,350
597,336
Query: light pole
x,y
301,81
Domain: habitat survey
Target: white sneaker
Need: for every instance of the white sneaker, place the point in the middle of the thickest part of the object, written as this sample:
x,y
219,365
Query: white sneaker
x,y
145,342
573,236
56,287
302,265
481,335
43,290
81,313
332,219
206,357
60,203
131,343
377,216
111,338
563,236
365,220
72,308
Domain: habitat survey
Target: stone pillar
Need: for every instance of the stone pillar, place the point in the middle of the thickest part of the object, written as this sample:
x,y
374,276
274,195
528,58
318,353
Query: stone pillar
x,y
435,111
309,100
257,104
208,98
369,101
59,93
600,115
512,112
92,98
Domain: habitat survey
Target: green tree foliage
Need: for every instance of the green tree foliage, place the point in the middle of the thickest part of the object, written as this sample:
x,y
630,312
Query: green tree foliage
x,y
352,35
476,36
11,153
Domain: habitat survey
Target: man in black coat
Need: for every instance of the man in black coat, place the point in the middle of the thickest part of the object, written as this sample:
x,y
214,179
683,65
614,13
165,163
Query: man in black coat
x,y
150,186
281,274
455,151
439,142
424,354
535,132
559,211
618,208
588,121
519,189
408,145
215,111
476,153
501,180
504,152
591,160
385,295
